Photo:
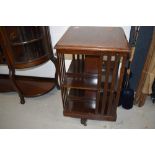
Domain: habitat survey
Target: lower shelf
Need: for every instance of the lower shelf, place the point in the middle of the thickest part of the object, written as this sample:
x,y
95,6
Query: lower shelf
x,y
82,95
92,116
30,86
80,107
82,104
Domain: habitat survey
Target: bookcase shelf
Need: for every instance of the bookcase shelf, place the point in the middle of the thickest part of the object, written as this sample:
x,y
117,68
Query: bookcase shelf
x,y
27,42
85,108
80,94
80,83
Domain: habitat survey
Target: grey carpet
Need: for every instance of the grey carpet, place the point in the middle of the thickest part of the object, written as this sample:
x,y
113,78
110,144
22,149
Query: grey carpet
x,y
45,112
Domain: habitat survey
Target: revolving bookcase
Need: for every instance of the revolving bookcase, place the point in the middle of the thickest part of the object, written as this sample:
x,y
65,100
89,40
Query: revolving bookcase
x,y
91,86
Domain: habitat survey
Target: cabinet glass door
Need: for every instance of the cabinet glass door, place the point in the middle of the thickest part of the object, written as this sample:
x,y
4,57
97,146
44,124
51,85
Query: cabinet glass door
x,y
2,59
27,42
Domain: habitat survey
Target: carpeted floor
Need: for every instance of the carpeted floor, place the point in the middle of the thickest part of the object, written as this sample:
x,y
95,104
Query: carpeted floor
x,y
46,112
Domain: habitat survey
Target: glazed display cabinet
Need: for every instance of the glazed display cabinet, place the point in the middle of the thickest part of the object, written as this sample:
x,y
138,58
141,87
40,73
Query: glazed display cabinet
x,y
22,47
91,86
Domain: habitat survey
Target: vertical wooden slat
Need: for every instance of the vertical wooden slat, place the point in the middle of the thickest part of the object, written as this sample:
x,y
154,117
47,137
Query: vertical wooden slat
x,y
82,65
63,77
61,71
63,65
64,72
106,82
99,85
78,60
82,57
65,94
120,80
73,56
112,87
58,61
78,56
74,64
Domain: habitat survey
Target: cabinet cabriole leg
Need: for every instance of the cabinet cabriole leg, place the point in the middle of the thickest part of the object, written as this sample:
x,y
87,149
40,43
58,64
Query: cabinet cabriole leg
x,y
12,77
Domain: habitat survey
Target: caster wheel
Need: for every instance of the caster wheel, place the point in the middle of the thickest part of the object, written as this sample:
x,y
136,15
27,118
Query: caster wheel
x,y
58,87
84,121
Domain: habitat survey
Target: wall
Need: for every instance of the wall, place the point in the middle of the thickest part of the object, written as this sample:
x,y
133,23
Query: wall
x,y
47,69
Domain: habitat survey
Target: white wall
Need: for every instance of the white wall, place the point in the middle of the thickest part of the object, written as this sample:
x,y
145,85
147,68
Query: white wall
x,y
47,69
127,31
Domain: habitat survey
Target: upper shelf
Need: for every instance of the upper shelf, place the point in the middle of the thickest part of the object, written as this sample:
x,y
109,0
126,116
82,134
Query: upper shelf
x,y
76,69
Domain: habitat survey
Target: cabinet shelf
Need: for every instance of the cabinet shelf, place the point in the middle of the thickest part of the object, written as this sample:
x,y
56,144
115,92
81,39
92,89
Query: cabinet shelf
x,y
27,42
30,86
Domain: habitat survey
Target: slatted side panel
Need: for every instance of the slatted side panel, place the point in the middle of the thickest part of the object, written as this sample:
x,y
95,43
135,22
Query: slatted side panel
x,y
120,80
62,73
113,83
98,94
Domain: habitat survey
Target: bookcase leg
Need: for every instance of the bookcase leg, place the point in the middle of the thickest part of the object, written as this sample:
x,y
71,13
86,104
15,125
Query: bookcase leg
x,y
84,121
56,75
22,100
12,77
55,62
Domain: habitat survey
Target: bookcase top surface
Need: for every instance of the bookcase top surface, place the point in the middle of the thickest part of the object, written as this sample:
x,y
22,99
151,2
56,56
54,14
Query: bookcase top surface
x,y
94,38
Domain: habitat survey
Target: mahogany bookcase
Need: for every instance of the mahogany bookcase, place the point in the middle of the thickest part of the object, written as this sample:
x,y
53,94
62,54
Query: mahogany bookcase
x,y
91,87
